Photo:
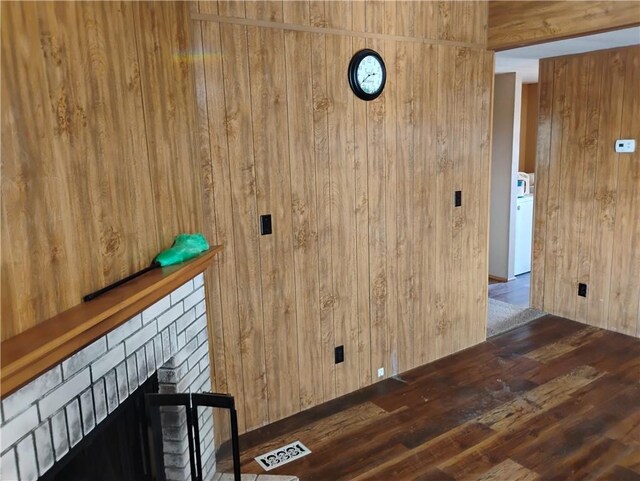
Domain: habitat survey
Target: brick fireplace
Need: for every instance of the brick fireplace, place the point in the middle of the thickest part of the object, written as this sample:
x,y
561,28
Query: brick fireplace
x,y
42,421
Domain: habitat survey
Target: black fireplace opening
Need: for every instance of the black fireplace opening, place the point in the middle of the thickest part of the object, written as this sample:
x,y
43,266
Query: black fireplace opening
x,y
118,448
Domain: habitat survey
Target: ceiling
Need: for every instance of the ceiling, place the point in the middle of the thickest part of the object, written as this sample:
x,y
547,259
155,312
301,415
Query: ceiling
x,y
524,60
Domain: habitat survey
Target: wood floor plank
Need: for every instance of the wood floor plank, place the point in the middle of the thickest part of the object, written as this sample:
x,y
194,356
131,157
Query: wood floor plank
x,y
551,400
508,470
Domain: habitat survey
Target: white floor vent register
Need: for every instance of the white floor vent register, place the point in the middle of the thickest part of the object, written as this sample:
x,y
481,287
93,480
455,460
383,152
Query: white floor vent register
x,y
283,455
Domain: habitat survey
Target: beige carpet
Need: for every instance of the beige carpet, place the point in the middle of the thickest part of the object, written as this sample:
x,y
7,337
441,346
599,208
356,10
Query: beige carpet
x,y
503,317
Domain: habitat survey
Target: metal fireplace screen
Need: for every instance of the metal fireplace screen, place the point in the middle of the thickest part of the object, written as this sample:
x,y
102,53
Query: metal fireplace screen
x,y
191,403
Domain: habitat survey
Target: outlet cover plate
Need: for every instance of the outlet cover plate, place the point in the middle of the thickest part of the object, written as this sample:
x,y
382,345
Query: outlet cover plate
x,y
380,372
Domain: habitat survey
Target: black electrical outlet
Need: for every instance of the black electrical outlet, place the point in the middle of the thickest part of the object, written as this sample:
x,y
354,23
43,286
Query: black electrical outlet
x,y
582,290
458,198
339,354
265,224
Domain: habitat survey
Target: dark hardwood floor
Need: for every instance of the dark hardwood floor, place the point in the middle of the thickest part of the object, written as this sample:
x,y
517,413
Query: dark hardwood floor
x,y
552,400
514,292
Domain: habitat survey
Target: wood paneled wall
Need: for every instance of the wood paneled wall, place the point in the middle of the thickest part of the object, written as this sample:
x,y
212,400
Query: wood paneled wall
x,y
587,211
368,250
517,23
99,165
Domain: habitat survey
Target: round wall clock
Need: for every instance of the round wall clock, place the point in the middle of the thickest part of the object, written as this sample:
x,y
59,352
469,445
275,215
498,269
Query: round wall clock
x,y
367,74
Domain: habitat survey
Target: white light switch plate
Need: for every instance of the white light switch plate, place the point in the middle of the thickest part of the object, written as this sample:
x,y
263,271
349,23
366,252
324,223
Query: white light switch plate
x,y
625,146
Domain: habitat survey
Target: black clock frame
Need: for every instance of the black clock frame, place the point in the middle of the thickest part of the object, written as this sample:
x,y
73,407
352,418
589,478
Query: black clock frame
x,y
353,72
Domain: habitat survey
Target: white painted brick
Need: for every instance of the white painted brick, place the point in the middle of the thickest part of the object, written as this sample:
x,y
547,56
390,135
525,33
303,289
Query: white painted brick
x,y
150,313
100,400
204,362
157,349
141,361
132,372
197,355
15,429
198,379
200,308
185,320
182,340
166,345
176,446
174,374
83,358
170,316
203,337
181,292
74,425
192,299
198,280
122,382
107,362
44,447
59,434
140,338
184,383
177,474
176,460
183,354
150,352
173,340
171,418
9,466
199,324
88,412
122,332
24,397
64,393
111,390
27,464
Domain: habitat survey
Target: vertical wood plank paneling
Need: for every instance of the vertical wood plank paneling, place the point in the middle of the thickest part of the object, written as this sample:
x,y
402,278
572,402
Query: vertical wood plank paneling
x,y
245,221
586,188
213,300
305,219
589,218
375,14
74,157
321,106
377,233
606,178
361,129
372,218
545,82
625,284
268,90
269,10
167,85
483,195
571,169
459,216
388,331
424,199
296,11
444,194
557,120
231,8
342,201
425,19
405,172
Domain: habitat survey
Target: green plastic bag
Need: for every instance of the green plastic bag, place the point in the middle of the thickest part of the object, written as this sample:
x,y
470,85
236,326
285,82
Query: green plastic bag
x,y
185,247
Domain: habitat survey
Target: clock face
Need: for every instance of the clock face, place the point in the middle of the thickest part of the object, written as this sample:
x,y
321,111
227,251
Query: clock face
x,y
367,74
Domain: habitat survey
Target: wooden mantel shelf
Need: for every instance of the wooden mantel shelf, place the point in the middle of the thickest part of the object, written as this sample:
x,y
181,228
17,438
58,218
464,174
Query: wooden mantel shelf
x,y
33,352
